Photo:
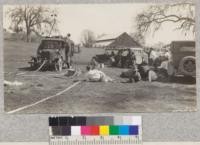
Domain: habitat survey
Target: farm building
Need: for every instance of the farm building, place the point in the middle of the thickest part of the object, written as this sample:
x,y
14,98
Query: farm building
x,y
122,41
112,44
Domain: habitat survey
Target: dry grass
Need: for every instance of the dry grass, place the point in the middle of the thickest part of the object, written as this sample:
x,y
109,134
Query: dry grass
x,y
88,97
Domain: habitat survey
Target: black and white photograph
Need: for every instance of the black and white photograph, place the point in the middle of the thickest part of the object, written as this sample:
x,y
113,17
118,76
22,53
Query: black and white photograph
x,y
99,58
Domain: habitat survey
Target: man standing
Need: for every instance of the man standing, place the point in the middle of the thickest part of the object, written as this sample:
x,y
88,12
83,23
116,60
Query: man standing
x,y
69,51
131,59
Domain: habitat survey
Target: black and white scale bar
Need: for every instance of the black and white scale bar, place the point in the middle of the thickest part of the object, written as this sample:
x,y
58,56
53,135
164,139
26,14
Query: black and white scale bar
x,y
95,140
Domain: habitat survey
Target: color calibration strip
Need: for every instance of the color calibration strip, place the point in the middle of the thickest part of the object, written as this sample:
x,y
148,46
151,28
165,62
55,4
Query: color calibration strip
x,y
106,130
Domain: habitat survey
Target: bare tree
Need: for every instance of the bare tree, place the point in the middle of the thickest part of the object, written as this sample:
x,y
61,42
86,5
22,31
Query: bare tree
x,y
181,14
87,38
36,19
138,38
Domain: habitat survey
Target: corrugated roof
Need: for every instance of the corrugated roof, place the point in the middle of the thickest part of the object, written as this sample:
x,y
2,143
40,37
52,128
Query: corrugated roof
x,y
124,40
105,37
104,43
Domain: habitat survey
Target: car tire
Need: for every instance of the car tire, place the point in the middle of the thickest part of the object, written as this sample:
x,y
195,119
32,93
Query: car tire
x,y
187,66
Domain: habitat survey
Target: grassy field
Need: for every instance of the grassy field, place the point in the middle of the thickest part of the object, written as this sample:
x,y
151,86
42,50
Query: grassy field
x,y
87,97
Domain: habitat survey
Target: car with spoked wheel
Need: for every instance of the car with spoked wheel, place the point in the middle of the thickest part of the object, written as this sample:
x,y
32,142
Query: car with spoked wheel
x,y
51,54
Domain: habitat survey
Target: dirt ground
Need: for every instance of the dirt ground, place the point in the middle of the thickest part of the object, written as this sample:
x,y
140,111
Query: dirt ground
x,y
87,97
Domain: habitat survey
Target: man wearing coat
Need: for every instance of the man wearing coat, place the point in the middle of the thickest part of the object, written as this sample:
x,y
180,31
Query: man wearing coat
x,y
69,51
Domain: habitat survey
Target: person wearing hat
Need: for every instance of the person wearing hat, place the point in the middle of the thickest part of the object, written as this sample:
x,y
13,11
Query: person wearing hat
x,y
132,74
135,75
69,51
131,58
148,73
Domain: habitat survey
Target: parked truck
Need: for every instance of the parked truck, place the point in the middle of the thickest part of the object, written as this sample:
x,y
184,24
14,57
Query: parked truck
x,y
183,57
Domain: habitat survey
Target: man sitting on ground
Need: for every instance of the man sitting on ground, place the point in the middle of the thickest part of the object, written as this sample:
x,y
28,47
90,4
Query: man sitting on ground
x,y
94,64
147,72
152,76
132,74
95,75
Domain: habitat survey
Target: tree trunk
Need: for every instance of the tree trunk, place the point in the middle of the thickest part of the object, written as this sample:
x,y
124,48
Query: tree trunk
x,y
28,35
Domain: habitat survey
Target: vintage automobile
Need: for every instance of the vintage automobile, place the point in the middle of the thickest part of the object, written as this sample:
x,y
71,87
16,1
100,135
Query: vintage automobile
x,y
183,57
110,54
50,54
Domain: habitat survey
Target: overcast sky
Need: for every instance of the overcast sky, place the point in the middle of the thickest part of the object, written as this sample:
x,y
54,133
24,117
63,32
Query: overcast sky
x,y
108,19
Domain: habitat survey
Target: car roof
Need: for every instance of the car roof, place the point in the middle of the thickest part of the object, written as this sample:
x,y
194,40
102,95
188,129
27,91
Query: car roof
x,y
186,42
53,39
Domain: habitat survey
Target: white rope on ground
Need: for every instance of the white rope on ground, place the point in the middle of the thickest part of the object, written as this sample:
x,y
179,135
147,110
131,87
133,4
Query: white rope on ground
x,y
23,73
45,99
41,66
51,74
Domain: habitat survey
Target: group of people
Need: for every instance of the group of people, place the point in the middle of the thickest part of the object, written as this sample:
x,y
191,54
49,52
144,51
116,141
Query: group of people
x,y
147,72
123,60
160,70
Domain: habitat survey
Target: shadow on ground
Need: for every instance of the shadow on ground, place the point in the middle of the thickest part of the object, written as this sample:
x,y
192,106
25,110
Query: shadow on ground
x,y
180,80
25,69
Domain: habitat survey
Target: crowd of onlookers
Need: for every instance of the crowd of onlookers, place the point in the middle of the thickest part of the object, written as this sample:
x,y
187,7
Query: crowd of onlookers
x,y
121,60
157,67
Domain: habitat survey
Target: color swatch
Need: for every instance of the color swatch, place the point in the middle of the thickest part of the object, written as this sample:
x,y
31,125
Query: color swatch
x,y
95,130
95,126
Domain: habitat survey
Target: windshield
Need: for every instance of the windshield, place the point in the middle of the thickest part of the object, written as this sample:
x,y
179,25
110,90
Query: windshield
x,y
52,44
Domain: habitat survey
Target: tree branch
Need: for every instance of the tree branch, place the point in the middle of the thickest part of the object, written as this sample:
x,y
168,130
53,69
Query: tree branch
x,y
156,15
